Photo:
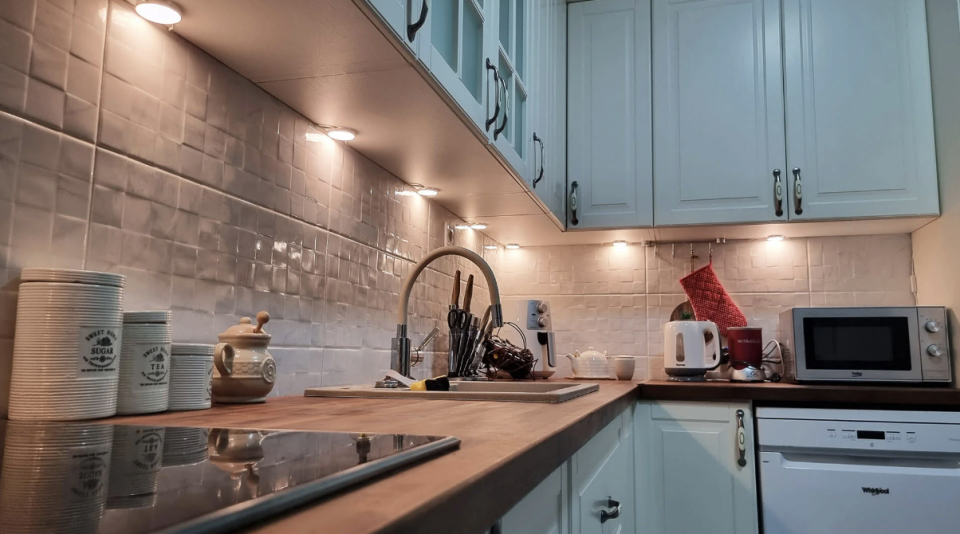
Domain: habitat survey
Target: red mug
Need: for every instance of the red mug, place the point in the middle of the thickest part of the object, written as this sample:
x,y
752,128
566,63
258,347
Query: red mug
x,y
746,346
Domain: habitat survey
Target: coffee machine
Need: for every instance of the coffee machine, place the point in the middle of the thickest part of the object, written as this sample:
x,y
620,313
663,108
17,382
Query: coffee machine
x,y
532,317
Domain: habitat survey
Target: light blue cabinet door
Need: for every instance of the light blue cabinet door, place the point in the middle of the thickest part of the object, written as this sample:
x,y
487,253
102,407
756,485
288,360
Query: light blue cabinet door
x,y
718,112
688,475
455,48
609,165
394,12
545,510
602,481
859,111
547,175
511,134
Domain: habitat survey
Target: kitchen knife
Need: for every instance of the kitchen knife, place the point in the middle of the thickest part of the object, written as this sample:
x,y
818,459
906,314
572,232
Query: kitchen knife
x,y
464,333
454,321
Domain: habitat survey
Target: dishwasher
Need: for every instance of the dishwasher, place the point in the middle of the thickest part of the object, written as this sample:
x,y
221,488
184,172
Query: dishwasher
x,y
828,471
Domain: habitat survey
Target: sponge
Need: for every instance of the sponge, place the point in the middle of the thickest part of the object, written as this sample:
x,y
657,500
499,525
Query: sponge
x,y
440,383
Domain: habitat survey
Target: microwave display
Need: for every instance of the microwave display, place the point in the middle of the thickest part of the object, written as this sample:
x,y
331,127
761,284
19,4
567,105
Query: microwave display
x,y
866,343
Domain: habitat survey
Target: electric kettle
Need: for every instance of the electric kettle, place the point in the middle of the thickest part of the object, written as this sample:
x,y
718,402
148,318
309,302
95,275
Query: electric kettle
x,y
690,348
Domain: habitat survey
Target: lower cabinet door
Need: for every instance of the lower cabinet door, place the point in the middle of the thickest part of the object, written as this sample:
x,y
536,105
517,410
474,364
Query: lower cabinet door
x,y
544,510
690,477
602,481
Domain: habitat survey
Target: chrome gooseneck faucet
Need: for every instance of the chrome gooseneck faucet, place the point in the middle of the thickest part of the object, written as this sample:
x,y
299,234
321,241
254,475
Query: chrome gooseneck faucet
x,y
400,357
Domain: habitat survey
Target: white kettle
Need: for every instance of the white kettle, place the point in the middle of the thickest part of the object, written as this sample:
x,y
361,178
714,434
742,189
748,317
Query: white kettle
x,y
690,348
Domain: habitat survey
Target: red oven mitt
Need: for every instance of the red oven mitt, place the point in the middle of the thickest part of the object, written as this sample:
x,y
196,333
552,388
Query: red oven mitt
x,y
710,300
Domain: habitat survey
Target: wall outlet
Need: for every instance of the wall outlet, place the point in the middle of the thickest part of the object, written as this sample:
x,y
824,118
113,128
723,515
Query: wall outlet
x,y
448,234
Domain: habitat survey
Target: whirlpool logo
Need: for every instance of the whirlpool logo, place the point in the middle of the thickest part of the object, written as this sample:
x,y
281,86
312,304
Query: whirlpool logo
x,y
876,491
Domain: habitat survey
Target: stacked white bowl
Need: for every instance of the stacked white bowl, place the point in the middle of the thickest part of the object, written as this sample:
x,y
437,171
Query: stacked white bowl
x,y
191,372
66,353
144,363
184,446
60,486
135,464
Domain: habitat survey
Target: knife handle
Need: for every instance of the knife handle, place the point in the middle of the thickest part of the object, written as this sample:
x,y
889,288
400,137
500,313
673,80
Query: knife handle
x,y
455,298
468,296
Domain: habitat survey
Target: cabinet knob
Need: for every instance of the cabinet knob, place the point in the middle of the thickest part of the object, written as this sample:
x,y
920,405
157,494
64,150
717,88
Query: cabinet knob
x,y
797,192
536,139
777,193
741,440
573,203
506,110
613,513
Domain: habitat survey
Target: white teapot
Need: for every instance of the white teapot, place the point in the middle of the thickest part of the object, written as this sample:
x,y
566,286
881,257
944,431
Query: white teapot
x,y
590,364
244,372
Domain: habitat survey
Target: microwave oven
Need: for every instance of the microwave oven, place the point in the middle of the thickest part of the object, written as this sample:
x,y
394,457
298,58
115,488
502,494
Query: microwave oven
x,y
881,344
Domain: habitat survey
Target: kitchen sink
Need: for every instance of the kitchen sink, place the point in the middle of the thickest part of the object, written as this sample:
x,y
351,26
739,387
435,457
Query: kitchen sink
x,y
548,392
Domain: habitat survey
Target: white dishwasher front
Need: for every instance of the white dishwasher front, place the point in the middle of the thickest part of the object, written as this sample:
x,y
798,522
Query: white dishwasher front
x,y
852,471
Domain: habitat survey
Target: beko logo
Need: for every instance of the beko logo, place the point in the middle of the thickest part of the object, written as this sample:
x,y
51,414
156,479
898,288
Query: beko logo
x,y
857,374
876,491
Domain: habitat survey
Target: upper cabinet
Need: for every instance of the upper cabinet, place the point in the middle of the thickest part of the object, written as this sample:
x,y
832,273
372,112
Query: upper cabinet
x,y
718,112
397,14
454,46
511,59
859,112
609,160
548,162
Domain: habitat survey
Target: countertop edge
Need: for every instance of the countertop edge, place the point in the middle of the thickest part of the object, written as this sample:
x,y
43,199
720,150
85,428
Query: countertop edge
x,y
481,501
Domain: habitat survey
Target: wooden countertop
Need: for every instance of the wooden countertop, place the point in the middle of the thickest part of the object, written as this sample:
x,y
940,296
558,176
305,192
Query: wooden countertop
x,y
843,395
506,449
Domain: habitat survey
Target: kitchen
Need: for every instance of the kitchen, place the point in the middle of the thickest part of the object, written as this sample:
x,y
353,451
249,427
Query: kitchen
x,y
301,159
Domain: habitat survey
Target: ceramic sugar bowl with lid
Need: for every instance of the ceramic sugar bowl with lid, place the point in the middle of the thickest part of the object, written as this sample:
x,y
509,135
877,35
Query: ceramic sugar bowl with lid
x,y
244,372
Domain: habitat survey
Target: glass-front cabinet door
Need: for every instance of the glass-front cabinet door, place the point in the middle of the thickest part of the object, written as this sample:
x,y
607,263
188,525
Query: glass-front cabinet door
x,y
453,49
512,44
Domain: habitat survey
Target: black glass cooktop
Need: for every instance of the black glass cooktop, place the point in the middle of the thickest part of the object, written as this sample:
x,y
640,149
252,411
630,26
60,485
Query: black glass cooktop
x,y
99,478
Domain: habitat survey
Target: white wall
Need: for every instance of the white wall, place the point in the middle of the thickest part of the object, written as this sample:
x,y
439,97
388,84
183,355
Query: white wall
x,y
936,249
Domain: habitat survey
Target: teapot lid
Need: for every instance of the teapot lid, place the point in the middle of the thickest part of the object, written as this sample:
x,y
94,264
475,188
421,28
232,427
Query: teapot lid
x,y
246,326
591,353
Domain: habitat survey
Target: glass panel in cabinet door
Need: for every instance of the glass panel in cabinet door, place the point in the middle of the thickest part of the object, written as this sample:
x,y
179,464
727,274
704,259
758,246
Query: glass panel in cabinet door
x,y
506,26
508,103
520,106
445,23
473,66
519,50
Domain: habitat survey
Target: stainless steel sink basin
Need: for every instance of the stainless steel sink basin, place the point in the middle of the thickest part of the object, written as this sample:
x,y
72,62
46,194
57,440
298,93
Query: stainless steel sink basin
x,y
549,392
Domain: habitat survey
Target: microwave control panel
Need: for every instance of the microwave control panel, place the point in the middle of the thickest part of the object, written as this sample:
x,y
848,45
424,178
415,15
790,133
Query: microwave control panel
x,y
935,360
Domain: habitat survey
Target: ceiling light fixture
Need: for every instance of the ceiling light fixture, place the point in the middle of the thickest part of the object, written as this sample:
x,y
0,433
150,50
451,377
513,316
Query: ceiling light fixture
x,y
620,244
462,226
406,193
342,134
490,247
775,238
513,246
160,12
428,192
478,226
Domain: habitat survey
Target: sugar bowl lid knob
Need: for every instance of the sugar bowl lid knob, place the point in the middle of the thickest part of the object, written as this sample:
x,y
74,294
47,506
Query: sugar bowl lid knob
x,y
262,319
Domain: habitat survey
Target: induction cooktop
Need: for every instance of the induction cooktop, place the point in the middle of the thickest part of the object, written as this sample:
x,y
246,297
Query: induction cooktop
x,y
106,479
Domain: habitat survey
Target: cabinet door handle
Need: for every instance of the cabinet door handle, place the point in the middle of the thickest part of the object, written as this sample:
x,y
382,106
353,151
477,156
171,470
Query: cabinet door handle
x,y
496,87
797,192
573,203
777,192
536,139
506,110
741,440
412,29
612,514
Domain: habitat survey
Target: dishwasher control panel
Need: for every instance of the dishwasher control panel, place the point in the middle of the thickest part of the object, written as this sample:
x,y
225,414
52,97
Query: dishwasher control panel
x,y
779,434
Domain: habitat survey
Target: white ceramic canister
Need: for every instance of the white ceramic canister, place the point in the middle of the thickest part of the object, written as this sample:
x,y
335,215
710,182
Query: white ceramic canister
x,y
144,363
66,356
191,371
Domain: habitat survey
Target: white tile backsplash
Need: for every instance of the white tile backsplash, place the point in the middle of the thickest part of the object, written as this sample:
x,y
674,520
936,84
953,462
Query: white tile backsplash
x,y
618,299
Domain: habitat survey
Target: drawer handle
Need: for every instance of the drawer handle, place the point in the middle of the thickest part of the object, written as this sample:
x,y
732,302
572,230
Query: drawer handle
x,y
741,440
536,139
412,29
797,192
777,192
612,514
496,87
573,203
